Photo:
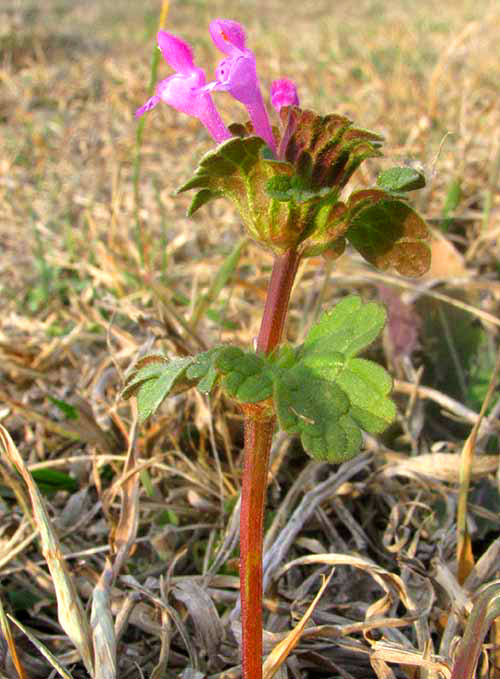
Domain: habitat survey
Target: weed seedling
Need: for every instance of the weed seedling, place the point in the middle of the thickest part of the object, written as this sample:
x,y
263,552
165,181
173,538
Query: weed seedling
x,y
287,184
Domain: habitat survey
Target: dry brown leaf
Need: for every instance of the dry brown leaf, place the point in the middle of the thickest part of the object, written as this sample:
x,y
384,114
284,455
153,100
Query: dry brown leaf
x,y
7,633
207,624
465,557
442,466
388,653
126,531
72,617
101,621
446,260
282,650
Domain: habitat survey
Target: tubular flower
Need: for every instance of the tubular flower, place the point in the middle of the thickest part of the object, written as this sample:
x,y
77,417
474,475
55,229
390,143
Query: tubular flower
x,y
284,93
185,90
237,74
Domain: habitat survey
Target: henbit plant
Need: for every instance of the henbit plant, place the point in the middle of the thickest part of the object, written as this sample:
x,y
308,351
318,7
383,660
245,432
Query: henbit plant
x,y
287,185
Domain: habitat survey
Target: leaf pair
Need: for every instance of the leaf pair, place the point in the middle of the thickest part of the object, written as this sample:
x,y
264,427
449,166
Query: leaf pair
x,y
320,390
294,202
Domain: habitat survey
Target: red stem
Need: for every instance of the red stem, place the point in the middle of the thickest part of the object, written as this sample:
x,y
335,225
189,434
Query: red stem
x,y
278,296
259,429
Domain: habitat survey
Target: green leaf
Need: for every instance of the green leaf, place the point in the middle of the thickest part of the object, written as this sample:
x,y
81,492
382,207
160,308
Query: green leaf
x,y
22,599
367,385
388,232
453,197
451,203
280,200
317,410
295,188
145,368
247,376
51,480
69,411
398,179
329,395
348,328
203,370
152,392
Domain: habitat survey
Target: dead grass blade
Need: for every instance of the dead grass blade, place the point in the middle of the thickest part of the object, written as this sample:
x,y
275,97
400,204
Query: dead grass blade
x,y
282,650
103,632
13,481
207,624
465,558
306,508
486,567
126,530
495,654
62,671
165,638
381,668
392,585
72,617
484,612
440,466
17,543
434,91
7,633
384,653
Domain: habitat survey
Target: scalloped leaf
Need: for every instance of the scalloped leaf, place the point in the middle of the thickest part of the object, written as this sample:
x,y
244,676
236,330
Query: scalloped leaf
x,y
296,188
367,385
317,410
388,232
347,329
153,392
328,396
286,203
203,370
329,146
248,377
400,179
145,368
234,159
239,170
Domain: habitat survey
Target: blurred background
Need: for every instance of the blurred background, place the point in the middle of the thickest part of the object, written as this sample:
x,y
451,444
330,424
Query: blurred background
x,y
98,261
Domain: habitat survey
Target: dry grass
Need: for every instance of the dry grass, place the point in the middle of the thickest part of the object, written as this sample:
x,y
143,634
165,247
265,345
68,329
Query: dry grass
x,y
88,277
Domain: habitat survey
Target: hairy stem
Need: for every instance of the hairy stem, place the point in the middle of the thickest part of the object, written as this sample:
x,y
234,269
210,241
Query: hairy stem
x,y
259,428
258,438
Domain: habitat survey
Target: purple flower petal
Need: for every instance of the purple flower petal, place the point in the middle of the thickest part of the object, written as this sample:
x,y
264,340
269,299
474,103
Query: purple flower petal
x,y
237,74
150,104
187,95
228,36
185,90
284,93
177,53
182,92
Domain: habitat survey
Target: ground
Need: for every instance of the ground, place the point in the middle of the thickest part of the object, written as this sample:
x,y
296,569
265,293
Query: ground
x,y
98,261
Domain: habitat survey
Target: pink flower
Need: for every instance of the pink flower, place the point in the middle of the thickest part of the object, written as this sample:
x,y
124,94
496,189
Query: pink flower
x,y
237,74
284,93
185,90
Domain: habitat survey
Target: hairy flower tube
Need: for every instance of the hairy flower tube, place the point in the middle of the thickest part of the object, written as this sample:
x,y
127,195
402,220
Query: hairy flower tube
x,y
237,74
185,90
